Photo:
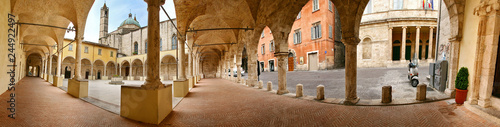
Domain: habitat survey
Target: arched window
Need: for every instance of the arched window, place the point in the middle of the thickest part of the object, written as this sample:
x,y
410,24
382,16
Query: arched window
x,y
136,48
146,47
174,41
367,48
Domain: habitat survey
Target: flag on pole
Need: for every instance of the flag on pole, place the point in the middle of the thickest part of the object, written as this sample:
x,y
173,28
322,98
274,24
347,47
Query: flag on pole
x,y
423,4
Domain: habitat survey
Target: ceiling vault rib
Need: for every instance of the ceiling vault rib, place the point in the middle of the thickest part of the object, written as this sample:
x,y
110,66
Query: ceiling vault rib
x,y
196,45
67,29
211,29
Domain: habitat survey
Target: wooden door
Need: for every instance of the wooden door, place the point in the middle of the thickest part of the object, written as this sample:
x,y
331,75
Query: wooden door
x,y
313,61
290,64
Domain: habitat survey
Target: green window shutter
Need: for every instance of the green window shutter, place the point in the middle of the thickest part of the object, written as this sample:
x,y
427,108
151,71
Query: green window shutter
x,y
295,38
312,33
319,25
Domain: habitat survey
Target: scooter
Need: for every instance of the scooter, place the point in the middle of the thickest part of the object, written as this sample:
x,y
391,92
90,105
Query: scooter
x,y
413,73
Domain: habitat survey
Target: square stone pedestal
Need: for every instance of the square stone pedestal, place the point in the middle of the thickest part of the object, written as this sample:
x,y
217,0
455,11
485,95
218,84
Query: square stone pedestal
x,y
78,88
142,78
191,82
181,88
104,78
130,78
58,81
146,105
51,78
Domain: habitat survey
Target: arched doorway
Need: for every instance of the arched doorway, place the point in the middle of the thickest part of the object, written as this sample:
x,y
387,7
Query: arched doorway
x,y
67,72
99,74
396,50
291,62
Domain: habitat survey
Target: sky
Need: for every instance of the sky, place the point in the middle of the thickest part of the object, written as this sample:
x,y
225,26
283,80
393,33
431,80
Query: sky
x,y
118,12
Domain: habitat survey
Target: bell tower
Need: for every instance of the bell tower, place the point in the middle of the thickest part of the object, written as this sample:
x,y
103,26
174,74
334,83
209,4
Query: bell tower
x,y
103,29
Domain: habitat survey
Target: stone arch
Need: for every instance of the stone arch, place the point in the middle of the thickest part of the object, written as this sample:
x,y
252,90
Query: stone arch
x,y
168,67
125,69
98,66
110,69
67,67
137,69
86,67
54,65
33,64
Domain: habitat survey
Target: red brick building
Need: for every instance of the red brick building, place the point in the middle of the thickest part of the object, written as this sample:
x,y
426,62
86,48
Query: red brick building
x,y
311,43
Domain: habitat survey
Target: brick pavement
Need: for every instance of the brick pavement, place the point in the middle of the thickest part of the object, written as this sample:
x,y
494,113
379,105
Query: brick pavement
x,y
217,102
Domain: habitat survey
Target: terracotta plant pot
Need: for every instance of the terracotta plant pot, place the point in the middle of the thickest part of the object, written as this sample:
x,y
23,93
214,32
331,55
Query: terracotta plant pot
x,y
460,96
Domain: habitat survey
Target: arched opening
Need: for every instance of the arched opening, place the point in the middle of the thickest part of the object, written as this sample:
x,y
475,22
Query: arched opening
x,y
68,64
125,70
367,48
168,68
33,63
87,66
98,67
110,69
137,69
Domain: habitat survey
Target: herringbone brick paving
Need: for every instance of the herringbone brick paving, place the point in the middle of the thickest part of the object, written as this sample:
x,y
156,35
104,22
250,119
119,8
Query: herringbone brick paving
x,y
218,102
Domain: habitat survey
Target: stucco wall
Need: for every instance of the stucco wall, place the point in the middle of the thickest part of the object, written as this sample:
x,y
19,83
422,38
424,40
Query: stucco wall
x,y
467,54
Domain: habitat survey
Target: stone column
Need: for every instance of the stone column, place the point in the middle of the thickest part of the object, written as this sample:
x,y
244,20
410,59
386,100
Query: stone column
x,y
350,70
238,67
120,70
389,38
50,67
252,67
282,69
59,61
431,34
417,43
44,71
144,71
78,59
153,55
403,44
181,62
91,77
130,71
190,70
105,74
453,66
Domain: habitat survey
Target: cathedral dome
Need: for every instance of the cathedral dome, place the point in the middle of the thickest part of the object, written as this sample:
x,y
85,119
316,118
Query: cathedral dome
x,y
130,21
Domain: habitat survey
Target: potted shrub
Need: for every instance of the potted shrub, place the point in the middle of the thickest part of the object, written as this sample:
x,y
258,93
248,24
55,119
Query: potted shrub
x,y
134,53
461,84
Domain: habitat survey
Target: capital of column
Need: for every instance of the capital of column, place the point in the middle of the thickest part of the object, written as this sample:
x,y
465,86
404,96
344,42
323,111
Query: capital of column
x,y
155,2
351,40
418,27
431,27
390,28
404,27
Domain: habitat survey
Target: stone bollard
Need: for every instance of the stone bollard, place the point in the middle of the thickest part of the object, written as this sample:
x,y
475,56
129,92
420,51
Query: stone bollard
x,y
260,84
421,92
269,86
320,90
386,94
299,89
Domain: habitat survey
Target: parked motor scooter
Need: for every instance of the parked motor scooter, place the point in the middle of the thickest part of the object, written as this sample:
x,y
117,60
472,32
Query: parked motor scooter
x,y
413,73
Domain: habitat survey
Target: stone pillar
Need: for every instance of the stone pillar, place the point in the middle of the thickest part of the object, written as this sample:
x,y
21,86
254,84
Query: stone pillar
x,y
320,92
181,85
155,101
269,86
417,43
299,90
431,34
421,92
91,77
78,59
403,44
59,77
45,68
282,69
105,75
386,94
190,70
49,77
252,67
131,77
120,71
144,71
238,67
453,66
389,38
350,70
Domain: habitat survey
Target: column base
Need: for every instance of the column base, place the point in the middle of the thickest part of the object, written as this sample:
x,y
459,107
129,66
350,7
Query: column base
x,y
146,105
181,88
104,78
191,82
485,103
350,102
78,88
280,92
58,81
142,78
450,92
51,78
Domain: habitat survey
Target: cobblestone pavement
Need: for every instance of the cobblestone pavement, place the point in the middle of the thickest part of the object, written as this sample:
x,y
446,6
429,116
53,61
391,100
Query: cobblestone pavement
x,y
218,102
369,82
